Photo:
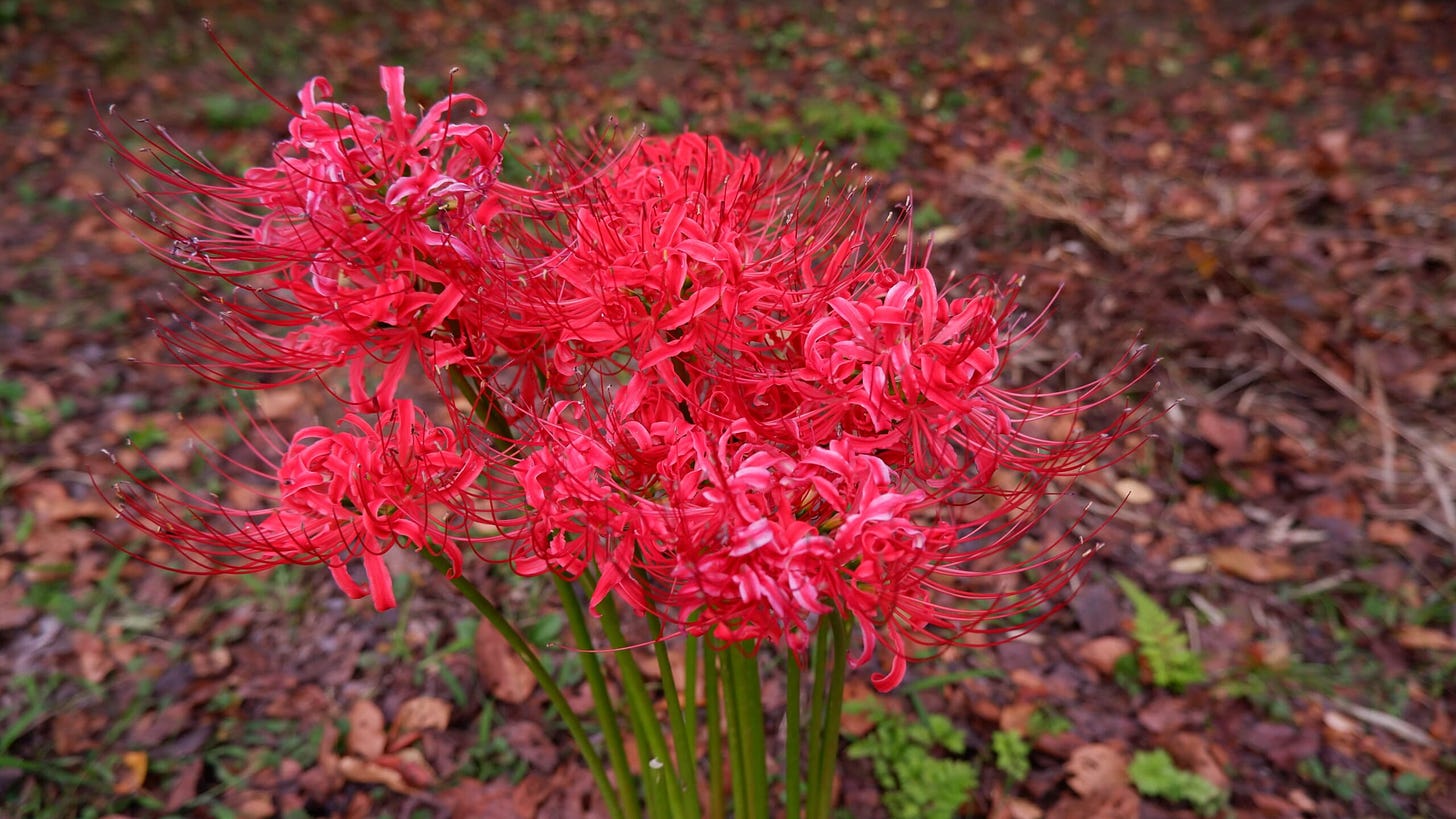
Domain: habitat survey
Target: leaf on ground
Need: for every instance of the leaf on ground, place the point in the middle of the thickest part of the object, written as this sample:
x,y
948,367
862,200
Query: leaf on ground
x,y
367,772
184,786
75,731
91,655
366,730
506,676
473,799
1096,769
1134,492
415,716
1120,804
1418,638
572,795
1096,608
412,767
529,741
1165,713
131,774
1196,753
1252,566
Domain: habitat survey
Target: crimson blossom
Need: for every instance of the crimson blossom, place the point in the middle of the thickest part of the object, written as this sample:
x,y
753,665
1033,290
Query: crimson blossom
x,y
691,378
343,251
340,494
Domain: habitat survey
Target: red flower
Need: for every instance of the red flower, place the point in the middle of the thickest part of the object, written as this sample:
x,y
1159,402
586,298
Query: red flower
x,y
673,368
340,495
344,251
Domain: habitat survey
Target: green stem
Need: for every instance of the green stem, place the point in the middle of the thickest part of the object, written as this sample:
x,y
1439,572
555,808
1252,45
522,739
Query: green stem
x,y
602,700
833,708
691,648
635,688
737,766
527,653
793,771
713,713
817,709
682,741
486,410
748,683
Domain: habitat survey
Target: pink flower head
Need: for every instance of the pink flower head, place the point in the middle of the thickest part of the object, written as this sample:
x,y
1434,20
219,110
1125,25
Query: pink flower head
x,y
341,494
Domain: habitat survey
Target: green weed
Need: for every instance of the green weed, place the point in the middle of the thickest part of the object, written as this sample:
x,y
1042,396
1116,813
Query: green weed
x,y
1162,644
225,112
1013,755
915,766
1154,774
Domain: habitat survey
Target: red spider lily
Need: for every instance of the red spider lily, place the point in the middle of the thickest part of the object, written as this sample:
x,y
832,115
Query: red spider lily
x,y
339,495
632,259
343,251
821,432
676,371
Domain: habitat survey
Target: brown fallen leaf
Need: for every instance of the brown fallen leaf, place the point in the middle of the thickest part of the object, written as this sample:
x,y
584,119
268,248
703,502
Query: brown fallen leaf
x,y
415,716
1195,753
1419,638
366,730
1230,436
411,765
1165,713
1119,804
473,799
1104,652
52,503
91,655
530,742
1016,717
75,731
1252,566
364,772
506,676
1011,807
1134,492
184,786
860,718
1096,770
132,774
252,804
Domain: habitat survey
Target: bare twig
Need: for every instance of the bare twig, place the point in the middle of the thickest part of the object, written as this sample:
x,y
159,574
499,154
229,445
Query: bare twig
x,y
1365,357
1422,442
1380,719
1046,197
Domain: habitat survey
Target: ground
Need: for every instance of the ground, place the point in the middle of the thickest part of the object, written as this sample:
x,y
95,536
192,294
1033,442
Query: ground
x,y
1263,193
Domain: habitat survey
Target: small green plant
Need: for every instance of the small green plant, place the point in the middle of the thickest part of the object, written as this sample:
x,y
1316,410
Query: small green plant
x,y
917,779
1013,755
228,113
879,136
1154,774
21,424
1342,782
1162,644
926,216
1046,722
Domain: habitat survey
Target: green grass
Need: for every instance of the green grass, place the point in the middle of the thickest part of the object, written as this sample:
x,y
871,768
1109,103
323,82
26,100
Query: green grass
x,y
874,136
58,782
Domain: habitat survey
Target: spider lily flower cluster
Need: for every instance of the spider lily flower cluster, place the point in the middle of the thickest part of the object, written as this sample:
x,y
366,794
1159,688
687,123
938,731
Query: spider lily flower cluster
x,y
692,379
